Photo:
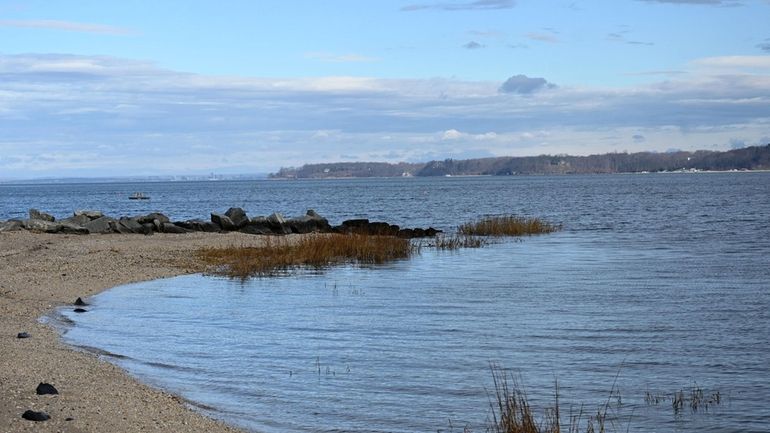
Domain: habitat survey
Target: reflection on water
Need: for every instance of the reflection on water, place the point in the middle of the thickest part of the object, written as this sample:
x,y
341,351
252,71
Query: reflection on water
x,y
661,281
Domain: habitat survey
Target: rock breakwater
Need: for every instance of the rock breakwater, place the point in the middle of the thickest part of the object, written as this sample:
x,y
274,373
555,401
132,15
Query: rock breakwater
x,y
83,222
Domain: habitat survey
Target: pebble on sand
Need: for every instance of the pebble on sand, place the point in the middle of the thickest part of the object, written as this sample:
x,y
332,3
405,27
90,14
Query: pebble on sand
x,y
80,302
23,335
35,416
46,388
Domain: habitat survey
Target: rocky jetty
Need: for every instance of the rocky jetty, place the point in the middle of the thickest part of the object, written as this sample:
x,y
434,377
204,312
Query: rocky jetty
x,y
83,222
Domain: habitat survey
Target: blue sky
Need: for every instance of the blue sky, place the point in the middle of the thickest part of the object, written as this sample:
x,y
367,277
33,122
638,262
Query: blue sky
x,y
95,88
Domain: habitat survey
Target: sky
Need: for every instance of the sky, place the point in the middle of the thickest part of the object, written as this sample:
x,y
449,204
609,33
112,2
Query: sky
x,y
138,88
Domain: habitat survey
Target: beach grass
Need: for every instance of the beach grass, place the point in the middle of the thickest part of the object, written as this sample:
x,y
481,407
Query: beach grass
x,y
507,225
513,413
279,254
455,242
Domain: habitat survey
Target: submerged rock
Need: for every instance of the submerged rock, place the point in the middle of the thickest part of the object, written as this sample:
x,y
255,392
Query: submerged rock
x,y
80,310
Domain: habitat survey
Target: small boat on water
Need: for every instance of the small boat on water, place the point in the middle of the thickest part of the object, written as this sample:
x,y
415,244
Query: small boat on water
x,y
138,196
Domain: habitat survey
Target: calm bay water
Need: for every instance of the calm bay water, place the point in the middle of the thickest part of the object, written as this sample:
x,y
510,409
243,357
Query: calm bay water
x,y
661,280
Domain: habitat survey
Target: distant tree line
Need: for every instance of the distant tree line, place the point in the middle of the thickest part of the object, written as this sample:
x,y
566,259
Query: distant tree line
x,y
749,158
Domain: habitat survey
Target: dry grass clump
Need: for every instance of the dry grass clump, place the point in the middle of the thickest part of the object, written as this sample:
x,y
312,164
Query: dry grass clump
x,y
280,255
507,225
455,242
512,413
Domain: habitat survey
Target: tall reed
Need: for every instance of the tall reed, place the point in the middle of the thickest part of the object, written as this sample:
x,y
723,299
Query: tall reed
x,y
315,251
507,225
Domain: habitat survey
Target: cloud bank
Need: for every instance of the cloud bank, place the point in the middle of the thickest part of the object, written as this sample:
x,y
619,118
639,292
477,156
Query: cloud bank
x,y
88,115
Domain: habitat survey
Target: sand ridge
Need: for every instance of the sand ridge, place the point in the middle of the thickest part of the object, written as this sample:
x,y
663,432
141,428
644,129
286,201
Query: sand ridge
x,y
39,272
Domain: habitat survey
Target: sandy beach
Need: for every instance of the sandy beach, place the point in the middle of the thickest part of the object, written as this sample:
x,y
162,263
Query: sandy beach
x,y
39,272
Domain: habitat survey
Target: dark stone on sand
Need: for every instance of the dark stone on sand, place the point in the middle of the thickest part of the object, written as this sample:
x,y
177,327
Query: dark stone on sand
x,y
23,335
80,302
69,418
31,415
80,310
46,389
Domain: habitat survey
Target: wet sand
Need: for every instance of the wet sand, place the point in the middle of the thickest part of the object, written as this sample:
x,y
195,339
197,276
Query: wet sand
x,y
39,272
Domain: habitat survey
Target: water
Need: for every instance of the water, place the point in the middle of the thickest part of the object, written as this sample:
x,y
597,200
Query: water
x,y
660,280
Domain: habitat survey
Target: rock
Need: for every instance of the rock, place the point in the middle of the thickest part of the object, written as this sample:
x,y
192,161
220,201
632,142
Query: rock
x,y
173,228
277,224
258,226
73,229
360,223
46,389
223,221
90,214
237,216
198,225
129,225
101,225
78,220
406,233
31,415
150,217
11,226
80,302
35,214
39,225
311,222
430,232
80,310
23,335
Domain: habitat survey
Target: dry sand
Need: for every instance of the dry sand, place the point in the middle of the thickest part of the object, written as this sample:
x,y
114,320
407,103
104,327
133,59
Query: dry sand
x,y
39,272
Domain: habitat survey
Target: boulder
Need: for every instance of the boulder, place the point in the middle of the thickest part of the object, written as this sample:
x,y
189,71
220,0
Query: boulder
x,y
80,302
78,220
258,226
101,225
277,224
90,214
150,217
129,225
38,225
11,226
35,214
237,216
72,229
311,222
173,228
223,221
198,225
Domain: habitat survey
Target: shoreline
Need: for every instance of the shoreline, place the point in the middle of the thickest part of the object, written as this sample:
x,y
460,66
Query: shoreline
x,y
39,272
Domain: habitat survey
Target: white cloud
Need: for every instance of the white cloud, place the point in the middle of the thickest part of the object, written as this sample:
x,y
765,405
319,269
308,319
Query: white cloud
x,y
103,115
735,63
